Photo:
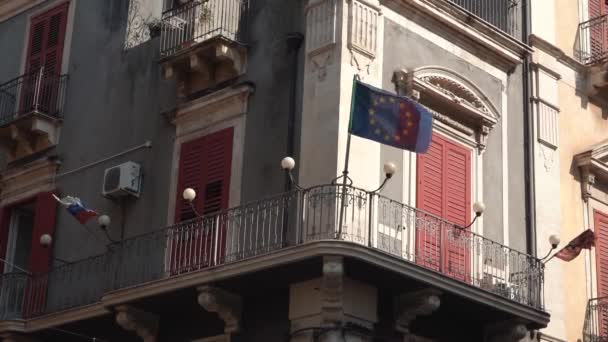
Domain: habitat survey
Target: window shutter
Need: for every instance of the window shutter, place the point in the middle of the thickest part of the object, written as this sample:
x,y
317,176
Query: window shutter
x,y
5,221
601,252
191,175
597,8
443,189
46,40
44,223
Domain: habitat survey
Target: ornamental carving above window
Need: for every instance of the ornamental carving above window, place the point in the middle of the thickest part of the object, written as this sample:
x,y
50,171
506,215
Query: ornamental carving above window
x,y
455,90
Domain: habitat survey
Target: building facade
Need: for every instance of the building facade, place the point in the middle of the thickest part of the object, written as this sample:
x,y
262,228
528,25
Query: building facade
x,y
570,132
126,104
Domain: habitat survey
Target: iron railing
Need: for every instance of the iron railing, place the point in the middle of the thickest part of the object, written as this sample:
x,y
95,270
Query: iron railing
x,y
41,92
596,320
289,219
503,14
592,40
201,20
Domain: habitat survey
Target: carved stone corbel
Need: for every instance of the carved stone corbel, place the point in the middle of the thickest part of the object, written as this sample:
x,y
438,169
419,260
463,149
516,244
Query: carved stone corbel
x,y
224,52
227,305
482,138
404,84
587,182
332,286
144,324
410,305
508,331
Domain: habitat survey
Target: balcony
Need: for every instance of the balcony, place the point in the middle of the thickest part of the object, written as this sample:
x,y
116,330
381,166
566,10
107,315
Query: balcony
x,y
502,14
371,222
596,320
31,107
201,43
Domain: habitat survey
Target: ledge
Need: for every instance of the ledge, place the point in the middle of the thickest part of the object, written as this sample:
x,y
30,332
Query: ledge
x,y
10,8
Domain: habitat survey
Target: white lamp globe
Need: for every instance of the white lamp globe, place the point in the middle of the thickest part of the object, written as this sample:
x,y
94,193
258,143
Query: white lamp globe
x,y
288,163
390,168
479,208
104,221
189,194
46,240
554,240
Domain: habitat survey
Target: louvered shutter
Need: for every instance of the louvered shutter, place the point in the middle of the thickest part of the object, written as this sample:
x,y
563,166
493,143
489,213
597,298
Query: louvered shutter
x,y
443,190
205,165
40,257
457,201
430,192
598,35
47,37
601,260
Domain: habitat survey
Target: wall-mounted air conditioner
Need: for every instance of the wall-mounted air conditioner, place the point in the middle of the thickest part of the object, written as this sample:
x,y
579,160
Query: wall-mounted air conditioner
x,y
122,180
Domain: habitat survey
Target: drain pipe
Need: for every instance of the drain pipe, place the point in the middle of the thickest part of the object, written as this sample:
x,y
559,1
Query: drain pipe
x,y
528,136
294,42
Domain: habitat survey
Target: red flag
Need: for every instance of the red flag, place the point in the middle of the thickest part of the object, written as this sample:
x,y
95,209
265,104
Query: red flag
x,y
585,240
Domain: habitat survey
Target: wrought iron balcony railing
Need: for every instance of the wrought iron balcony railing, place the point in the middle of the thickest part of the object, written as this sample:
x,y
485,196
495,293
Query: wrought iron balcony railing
x,y
592,40
289,219
596,320
503,14
38,92
201,20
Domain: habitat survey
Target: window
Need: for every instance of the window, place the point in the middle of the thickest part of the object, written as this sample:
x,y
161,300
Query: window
x,y
443,190
19,238
21,226
601,252
205,166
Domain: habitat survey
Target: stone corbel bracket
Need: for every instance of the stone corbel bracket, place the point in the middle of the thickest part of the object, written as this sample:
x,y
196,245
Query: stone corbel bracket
x,y
593,166
409,306
228,306
332,289
144,324
507,331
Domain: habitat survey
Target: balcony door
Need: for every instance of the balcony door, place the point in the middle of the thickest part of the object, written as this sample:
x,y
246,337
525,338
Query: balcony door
x,y
204,165
40,85
443,193
598,28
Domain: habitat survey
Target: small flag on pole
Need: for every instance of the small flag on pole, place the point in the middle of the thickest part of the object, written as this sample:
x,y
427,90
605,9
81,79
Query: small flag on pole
x,y
75,207
389,119
585,240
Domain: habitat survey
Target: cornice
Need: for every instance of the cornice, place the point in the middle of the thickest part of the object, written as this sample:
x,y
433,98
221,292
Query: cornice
x,y
554,51
506,51
10,8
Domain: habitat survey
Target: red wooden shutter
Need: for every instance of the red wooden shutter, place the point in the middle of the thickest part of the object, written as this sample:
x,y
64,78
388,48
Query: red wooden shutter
x,y
205,165
46,42
598,35
5,221
443,189
430,191
601,259
40,257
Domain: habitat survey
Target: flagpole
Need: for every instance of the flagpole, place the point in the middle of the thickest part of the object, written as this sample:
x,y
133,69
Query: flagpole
x,y
345,177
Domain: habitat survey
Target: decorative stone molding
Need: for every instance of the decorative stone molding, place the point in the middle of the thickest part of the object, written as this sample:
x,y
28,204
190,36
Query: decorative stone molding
x,y
28,134
332,306
363,34
144,324
321,18
548,121
10,8
547,153
24,181
410,305
228,306
440,86
508,331
593,166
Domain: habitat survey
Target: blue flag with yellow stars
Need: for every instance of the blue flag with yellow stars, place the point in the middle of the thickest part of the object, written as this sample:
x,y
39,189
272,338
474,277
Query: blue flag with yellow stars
x,y
390,119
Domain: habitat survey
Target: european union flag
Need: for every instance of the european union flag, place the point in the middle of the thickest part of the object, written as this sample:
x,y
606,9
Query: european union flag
x,y
390,119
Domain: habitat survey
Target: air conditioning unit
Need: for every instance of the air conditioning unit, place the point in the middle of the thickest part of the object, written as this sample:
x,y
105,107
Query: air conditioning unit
x,y
122,180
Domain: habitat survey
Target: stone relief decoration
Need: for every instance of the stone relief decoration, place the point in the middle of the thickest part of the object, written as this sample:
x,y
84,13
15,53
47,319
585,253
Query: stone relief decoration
x,y
363,34
473,114
142,15
547,154
548,130
321,35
